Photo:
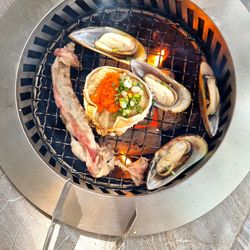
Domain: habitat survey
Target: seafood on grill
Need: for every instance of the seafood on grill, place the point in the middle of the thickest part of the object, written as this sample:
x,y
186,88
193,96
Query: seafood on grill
x,y
209,99
174,158
115,99
110,42
99,159
169,95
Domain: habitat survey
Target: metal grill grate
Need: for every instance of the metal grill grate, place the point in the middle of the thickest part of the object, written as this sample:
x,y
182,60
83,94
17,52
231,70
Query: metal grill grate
x,y
154,33
41,118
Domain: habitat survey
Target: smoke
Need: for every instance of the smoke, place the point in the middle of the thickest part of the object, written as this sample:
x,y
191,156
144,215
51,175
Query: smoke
x,y
119,15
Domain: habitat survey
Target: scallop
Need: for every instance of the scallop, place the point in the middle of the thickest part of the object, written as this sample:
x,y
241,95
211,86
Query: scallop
x,y
110,42
174,158
209,99
169,95
107,123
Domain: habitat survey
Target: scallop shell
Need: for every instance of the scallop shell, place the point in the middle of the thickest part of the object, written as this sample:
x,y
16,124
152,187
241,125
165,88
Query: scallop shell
x,y
104,123
88,37
141,69
198,151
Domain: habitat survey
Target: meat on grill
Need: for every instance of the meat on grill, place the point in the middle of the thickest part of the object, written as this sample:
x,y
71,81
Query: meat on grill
x,y
99,160
136,169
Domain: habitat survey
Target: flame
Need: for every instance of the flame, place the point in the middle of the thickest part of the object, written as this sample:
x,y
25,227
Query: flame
x,y
124,159
157,60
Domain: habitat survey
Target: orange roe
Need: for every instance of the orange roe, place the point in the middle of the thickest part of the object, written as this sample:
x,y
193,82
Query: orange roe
x,y
104,96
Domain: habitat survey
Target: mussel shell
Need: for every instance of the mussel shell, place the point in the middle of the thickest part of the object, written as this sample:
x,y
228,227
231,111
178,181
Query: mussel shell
x,y
211,122
199,150
184,97
88,36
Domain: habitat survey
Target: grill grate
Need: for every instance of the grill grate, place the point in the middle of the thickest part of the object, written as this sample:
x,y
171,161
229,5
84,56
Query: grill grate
x,y
183,60
41,118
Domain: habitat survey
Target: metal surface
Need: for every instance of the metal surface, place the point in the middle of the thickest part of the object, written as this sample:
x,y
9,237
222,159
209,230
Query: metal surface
x,y
56,213
164,210
120,242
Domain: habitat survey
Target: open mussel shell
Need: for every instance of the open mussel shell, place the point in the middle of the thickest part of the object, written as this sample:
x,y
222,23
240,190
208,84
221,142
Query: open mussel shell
x,y
93,38
209,99
198,149
178,93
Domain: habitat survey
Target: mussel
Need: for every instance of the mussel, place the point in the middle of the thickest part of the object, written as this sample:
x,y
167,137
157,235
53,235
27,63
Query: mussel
x,y
209,99
169,95
174,158
110,42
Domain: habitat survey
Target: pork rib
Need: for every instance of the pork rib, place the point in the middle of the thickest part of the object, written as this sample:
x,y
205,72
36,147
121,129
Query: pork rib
x,y
99,160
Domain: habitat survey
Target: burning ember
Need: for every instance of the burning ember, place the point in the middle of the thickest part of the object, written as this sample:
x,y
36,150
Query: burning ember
x,y
156,60
118,172
125,160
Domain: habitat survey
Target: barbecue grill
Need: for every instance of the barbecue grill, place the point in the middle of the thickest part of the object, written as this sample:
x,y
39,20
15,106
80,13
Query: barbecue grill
x,y
177,36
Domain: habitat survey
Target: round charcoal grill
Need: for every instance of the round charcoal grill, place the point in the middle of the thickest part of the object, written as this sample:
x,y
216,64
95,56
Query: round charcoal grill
x,y
184,50
187,36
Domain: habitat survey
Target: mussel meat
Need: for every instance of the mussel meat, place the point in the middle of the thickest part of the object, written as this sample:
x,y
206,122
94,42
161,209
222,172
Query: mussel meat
x,y
169,95
175,157
164,92
110,42
209,99
117,44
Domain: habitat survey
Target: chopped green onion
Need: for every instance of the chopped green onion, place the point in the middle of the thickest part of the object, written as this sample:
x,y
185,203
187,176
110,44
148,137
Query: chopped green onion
x,y
135,89
124,93
137,96
173,173
123,104
139,84
127,83
138,109
125,112
132,103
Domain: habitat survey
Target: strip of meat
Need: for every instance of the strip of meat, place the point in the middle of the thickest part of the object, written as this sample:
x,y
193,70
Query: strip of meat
x,y
99,160
136,169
